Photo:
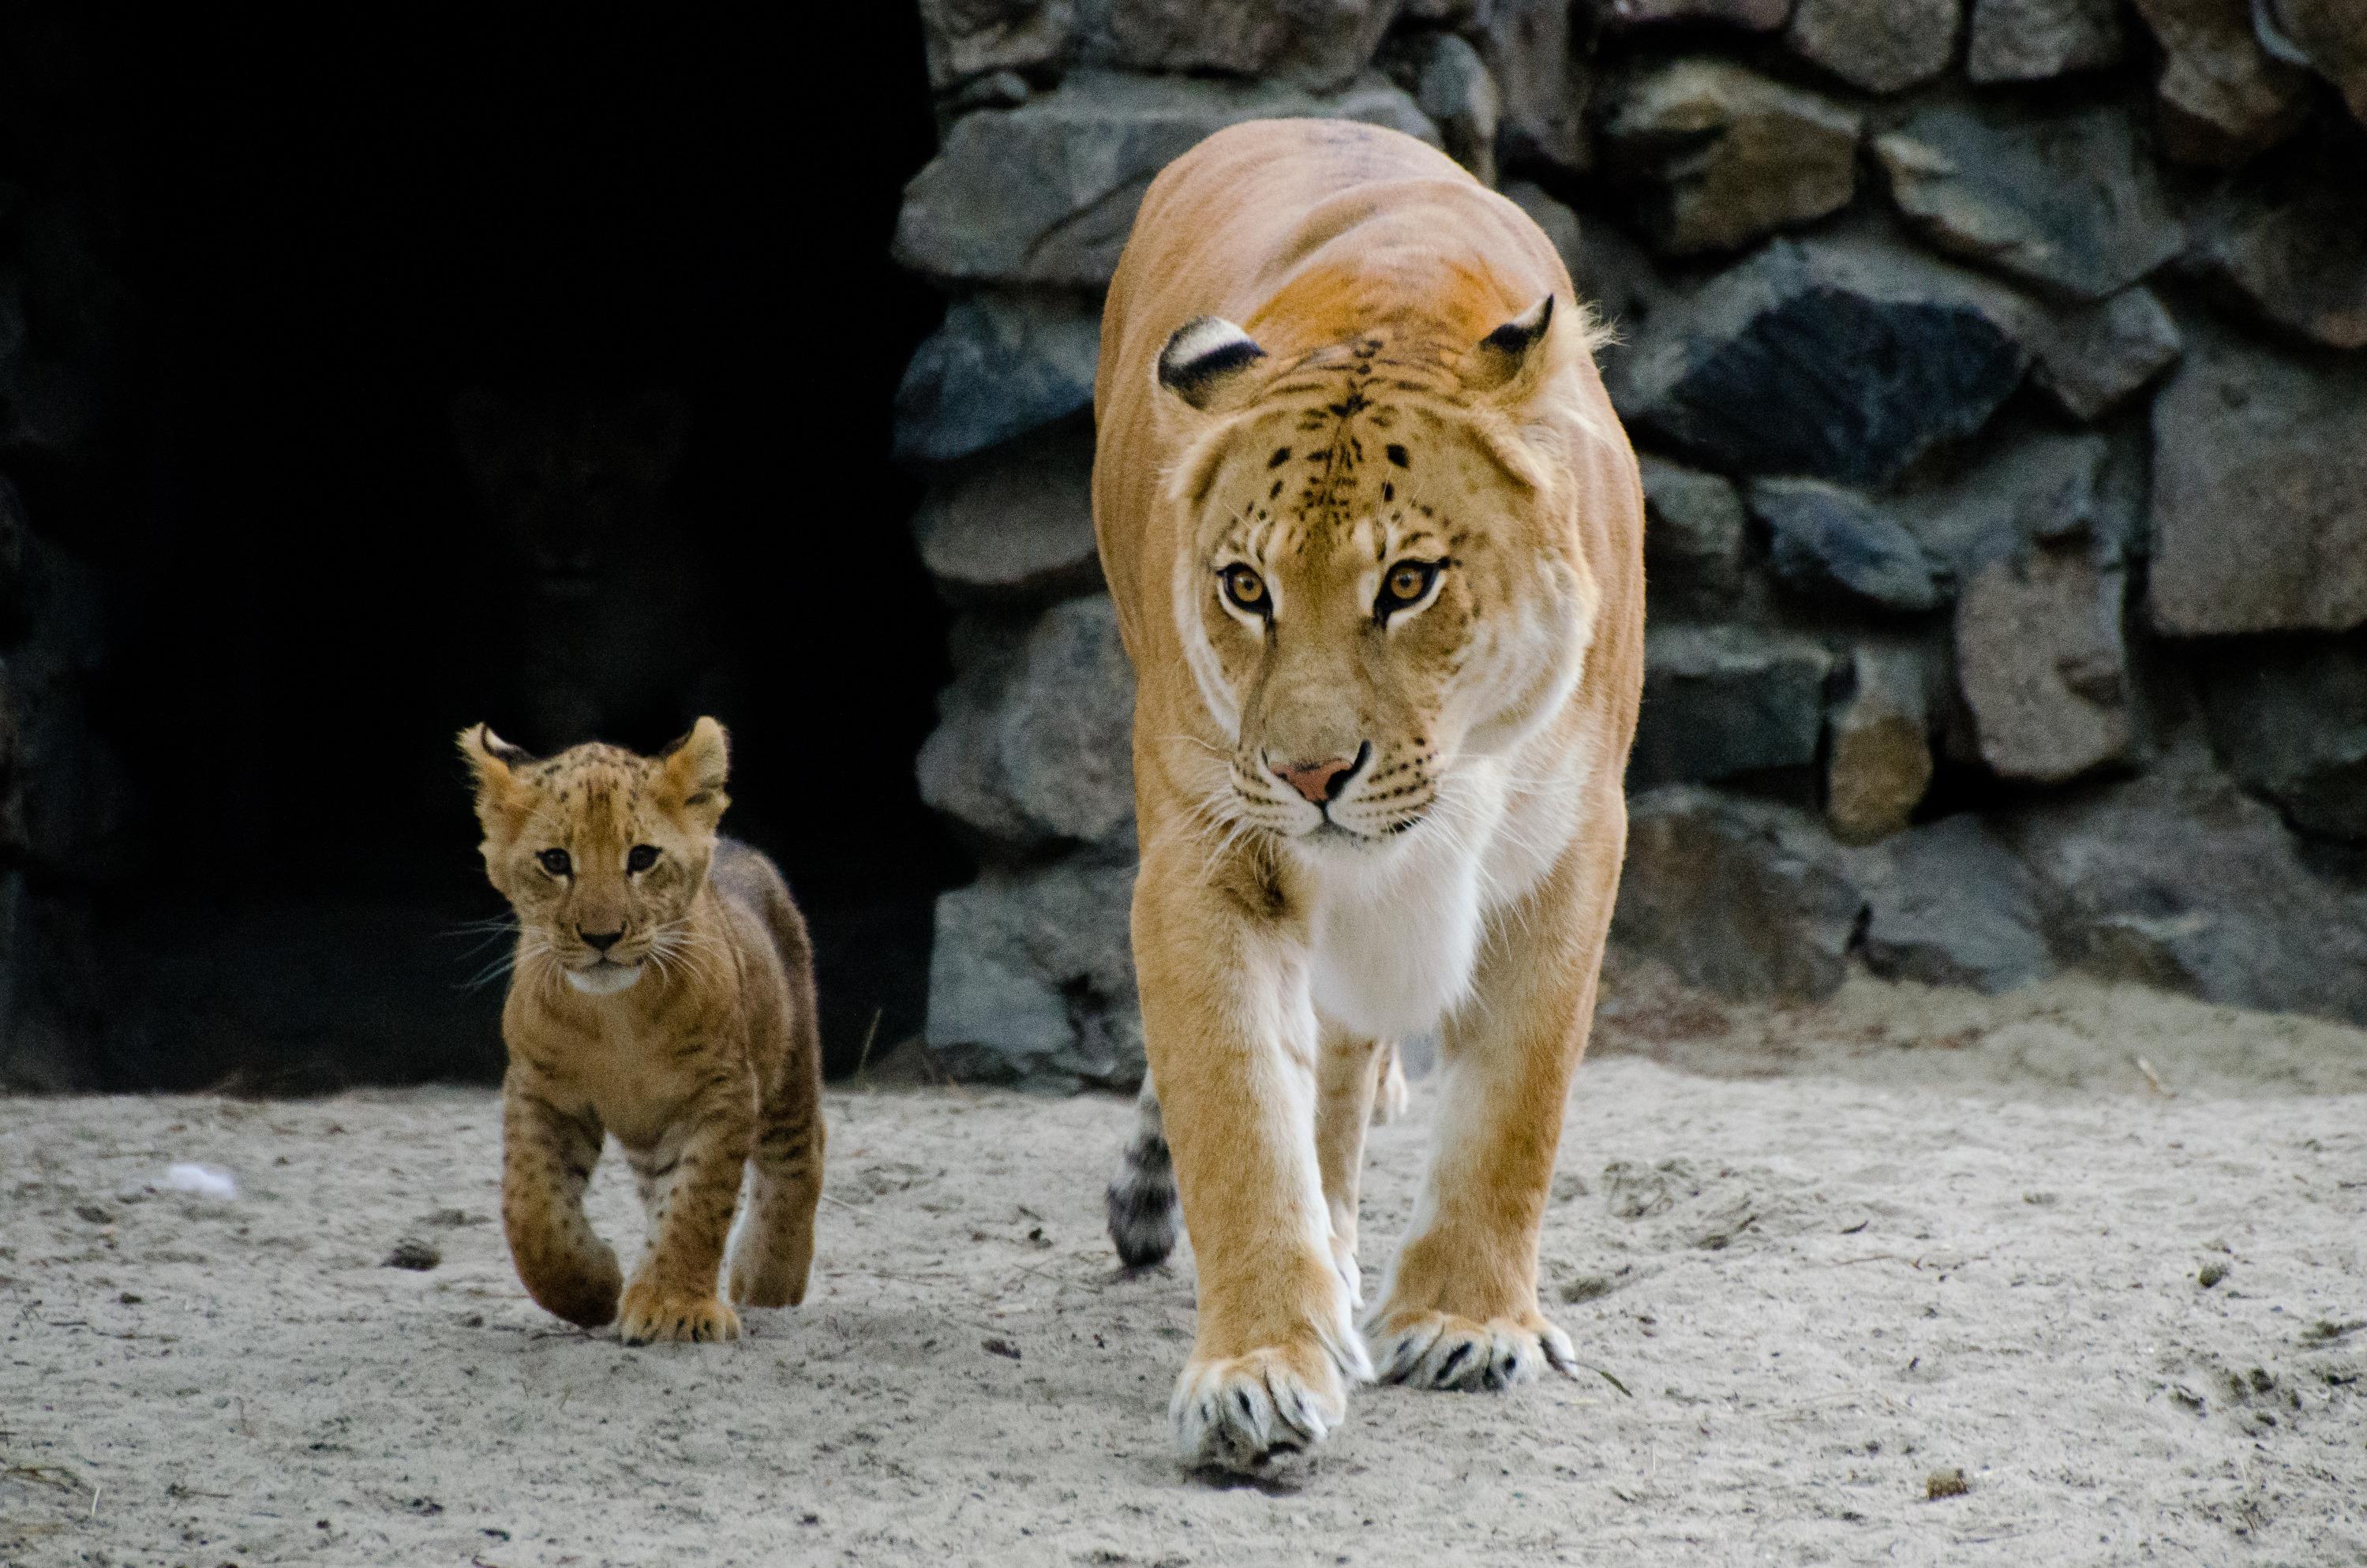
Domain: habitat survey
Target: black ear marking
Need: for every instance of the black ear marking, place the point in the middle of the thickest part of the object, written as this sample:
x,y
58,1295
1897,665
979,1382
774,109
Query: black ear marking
x,y
1205,354
1499,356
677,743
502,751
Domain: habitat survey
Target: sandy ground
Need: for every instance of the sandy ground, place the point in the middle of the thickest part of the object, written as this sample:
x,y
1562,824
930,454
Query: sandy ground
x,y
1825,1254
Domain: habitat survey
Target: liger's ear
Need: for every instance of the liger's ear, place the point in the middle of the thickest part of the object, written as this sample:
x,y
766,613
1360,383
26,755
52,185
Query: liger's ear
x,y
1509,362
1207,363
696,768
493,763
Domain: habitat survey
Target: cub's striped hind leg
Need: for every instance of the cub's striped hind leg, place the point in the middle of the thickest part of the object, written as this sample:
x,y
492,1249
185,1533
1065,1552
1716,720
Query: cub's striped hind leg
x,y
1142,1205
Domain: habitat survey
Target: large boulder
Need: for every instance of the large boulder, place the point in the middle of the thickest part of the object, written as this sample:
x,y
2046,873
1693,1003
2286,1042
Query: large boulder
x,y
1883,46
1744,897
2260,492
1722,700
1034,746
2290,247
2330,35
2042,660
999,366
1878,745
1451,84
2028,41
2024,484
2091,358
1544,80
1015,523
968,39
1748,15
1834,360
1951,904
1320,44
1046,193
1834,546
2064,201
1031,978
2223,97
1694,540
2179,879
2289,719
1722,156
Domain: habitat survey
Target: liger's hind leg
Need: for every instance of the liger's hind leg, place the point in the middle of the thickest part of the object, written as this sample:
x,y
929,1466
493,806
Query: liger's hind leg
x,y
1348,1073
773,1257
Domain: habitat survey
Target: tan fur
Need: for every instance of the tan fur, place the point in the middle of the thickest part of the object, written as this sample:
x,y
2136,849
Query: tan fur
x,y
1463,879
703,1066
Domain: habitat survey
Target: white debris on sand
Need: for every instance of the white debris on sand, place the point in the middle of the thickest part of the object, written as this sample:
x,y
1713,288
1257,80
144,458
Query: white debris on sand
x,y
1911,1276
202,1180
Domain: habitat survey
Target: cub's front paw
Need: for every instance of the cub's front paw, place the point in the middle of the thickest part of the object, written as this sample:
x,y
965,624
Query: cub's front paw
x,y
1238,1413
1439,1349
650,1313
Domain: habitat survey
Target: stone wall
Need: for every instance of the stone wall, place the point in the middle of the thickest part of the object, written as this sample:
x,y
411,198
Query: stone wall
x,y
2001,371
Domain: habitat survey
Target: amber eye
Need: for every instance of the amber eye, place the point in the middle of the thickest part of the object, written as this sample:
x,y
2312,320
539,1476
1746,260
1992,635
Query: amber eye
x,y
1246,589
1406,584
640,857
556,862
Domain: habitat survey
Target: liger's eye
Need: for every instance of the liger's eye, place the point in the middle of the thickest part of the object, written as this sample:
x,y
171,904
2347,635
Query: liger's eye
x,y
640,857
556,862
1246,589
1406,584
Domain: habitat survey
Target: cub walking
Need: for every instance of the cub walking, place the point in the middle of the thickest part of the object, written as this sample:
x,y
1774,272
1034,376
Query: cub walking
x,y
664,992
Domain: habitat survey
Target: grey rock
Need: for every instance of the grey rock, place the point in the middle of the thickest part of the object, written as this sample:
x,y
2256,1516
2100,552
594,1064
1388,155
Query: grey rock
x,y
1015,523
1001,366
1748,15
2290,246
1951,904
1833,545
1544,79
2259,492
2042,663
2289,719
1450,84
2028,41
1835,360
1036,745
966,38
2033,484
2061,200
1442,13
2179,879
1878,746
2223,98
1320,44
1045,193
1721,700
1724,156
1694,539
2090,358
1746,898
1031,976
2330,35
1883,46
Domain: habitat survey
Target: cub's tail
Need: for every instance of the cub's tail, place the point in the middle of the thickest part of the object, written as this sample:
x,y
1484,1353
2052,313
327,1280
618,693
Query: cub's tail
x,y
1142,1198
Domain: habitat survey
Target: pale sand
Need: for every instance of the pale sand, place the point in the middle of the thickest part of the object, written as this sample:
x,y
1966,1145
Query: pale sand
x,y
1957,1235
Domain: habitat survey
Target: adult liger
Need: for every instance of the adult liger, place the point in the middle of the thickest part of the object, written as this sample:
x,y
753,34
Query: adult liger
x,y
1375,540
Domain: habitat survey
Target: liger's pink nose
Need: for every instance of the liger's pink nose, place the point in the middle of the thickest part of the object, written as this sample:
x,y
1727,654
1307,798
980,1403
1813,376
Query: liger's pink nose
x,y
1320,782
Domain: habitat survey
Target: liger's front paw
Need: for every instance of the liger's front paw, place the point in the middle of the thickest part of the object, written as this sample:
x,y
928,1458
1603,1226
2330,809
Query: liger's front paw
x,y
1439,1349
651,1314
1239,1413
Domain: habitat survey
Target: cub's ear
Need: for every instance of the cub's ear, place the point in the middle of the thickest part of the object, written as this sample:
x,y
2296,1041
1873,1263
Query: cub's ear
x,y
696,766
1509,362
1205,362
494,763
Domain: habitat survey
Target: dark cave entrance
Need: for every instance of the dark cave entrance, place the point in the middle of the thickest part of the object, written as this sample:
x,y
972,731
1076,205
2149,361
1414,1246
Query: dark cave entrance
x,y
338,239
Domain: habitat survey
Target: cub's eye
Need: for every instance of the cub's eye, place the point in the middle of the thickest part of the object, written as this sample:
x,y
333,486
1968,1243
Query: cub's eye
x,y
640,857
1406,584
1246,589
556,862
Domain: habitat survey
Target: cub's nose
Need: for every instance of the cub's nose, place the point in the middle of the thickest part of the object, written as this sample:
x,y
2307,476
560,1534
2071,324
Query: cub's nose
x,y
1321,781
602,942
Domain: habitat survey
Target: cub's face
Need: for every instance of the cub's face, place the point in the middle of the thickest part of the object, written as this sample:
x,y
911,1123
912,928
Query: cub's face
x,y
600,851
1377,592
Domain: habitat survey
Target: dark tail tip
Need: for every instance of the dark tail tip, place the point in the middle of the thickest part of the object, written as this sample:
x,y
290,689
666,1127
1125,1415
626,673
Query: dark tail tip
x,y
1142,1204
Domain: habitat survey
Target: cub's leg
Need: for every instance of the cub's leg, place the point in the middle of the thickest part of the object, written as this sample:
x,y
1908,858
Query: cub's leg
x,y
774,1255
1142,1195
693,1185
1231,1037
1348,1072
547,1158
1394,1098
1460,1308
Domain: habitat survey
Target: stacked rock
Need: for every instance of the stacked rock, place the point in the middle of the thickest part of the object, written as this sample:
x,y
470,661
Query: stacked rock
x,y
1999,368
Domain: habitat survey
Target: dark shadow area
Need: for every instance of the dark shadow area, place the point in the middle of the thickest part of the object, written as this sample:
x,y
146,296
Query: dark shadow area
x,y
526,373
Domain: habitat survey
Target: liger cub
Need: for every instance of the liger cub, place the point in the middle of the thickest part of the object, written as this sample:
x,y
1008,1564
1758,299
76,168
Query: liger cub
x,y
663,991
